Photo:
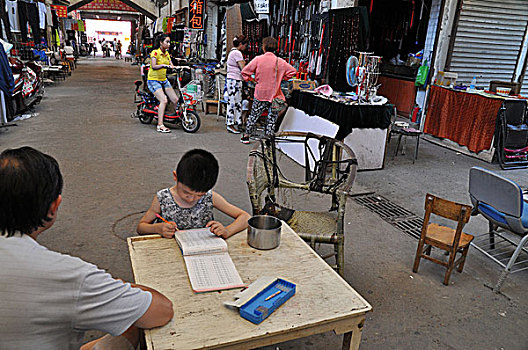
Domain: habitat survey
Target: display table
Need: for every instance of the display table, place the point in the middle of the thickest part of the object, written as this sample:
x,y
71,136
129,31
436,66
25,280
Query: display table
x,y
362,127
348,117
323,301
463,117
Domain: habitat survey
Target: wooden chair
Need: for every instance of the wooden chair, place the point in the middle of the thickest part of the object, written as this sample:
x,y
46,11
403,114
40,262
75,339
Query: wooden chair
x,y
327,166
451,240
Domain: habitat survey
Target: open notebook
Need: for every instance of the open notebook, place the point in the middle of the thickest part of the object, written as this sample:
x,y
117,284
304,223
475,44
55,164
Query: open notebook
x,y
208,263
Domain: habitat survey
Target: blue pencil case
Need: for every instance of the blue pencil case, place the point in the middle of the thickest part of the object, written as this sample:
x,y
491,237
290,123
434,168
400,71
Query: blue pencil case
x,y
262,298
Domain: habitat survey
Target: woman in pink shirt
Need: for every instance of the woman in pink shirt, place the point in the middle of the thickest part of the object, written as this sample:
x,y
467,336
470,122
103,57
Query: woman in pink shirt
x,y
269,71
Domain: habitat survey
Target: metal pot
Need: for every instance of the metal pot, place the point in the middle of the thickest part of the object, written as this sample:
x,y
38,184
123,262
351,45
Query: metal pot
x,y
264,232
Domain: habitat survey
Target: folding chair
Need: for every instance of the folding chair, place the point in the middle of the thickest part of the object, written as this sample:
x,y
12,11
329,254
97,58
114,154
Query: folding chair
x,y
512,138
501,202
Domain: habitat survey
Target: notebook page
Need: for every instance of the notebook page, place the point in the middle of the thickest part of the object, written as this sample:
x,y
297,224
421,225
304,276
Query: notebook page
x,y
199,241
212,272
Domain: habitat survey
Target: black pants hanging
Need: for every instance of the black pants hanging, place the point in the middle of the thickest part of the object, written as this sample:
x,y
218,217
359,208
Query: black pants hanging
x,y
28,13
5,20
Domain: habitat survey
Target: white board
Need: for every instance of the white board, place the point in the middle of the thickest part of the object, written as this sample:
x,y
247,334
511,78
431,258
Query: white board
x,y
297,120
368,146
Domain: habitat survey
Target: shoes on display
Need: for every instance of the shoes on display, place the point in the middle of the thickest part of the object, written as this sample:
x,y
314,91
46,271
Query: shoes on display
x,y
244,140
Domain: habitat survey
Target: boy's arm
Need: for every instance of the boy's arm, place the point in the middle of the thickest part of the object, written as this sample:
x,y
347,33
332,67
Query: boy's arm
x,y
146,226
241,217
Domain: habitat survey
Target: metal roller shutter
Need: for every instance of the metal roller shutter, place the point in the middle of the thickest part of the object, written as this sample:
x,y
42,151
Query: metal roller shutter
x,y
488,38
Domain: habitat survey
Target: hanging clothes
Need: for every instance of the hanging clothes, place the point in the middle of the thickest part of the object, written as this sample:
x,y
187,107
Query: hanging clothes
x,y
170,22
5,21
164,24
7,83
28,13
42,14
12,14
56,38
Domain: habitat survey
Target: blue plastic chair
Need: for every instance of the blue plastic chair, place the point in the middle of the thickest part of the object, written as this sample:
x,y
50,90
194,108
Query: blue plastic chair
x,y
500,201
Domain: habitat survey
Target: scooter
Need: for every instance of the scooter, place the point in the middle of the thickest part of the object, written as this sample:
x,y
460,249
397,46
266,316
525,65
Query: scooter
x,y
185,114
29,87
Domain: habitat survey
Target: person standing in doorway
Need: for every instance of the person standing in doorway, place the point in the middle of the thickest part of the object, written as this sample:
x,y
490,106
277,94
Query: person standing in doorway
x,y
103,46
119,47
157,77
269,71
234,80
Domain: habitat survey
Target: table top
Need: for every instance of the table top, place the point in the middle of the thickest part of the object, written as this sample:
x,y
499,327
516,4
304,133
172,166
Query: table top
x,y
323,301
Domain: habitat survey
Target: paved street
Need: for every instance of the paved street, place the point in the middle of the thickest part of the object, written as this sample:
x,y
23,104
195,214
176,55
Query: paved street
x,y
113,165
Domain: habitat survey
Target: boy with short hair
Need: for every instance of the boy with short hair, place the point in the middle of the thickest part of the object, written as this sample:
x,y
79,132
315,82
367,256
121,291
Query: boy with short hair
x,y
189,203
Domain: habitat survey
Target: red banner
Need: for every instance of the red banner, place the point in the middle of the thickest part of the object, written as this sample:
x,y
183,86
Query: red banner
x,y
62,11
196,14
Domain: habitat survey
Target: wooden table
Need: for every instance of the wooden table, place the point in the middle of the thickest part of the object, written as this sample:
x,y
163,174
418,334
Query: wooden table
x,y
323,302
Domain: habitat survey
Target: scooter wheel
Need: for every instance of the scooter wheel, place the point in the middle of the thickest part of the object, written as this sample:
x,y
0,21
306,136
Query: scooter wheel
x,y
193,122
144,117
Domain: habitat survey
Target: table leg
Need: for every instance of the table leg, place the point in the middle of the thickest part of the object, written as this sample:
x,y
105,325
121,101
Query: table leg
x,y
416,150
397,146
352,339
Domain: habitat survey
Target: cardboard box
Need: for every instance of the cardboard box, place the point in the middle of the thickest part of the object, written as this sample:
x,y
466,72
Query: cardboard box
x,y
298,84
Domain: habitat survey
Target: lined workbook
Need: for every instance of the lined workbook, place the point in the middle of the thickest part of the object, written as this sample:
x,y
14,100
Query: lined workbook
x,y
208,263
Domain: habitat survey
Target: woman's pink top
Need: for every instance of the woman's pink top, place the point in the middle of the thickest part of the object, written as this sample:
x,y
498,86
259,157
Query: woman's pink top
x,y
263,67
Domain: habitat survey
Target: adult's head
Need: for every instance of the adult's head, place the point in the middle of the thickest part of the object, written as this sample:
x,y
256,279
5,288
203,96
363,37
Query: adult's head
x,y
198,170
240,42
162,41
269,44
30,182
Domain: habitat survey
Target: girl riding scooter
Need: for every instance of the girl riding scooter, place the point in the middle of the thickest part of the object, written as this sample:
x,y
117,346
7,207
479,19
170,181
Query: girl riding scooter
x,y
157,77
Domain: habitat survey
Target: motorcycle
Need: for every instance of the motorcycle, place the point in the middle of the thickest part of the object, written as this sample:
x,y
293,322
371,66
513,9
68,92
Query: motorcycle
x,y
29,87
185,113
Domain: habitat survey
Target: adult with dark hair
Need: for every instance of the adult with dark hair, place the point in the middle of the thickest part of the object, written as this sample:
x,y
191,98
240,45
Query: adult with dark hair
x,y
47,299
234,79
269,71
157,77
189,203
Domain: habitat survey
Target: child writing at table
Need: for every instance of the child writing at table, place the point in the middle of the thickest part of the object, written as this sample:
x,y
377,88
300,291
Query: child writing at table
x,y
189,203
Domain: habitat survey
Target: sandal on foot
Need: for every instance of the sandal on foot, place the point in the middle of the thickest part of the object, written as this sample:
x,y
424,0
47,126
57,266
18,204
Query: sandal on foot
x,y
162,128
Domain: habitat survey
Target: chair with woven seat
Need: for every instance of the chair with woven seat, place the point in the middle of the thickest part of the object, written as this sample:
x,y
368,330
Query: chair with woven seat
x,y
451,240
325,165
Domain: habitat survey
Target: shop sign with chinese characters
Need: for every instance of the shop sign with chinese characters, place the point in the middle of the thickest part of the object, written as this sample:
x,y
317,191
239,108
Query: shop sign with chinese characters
x,y
62,11
196,14
261,6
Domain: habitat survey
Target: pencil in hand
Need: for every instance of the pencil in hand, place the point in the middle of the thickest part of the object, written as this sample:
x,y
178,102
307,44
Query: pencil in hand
x,y
163,219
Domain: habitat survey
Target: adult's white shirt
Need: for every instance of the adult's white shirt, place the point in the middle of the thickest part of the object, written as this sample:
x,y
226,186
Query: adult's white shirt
x,y
48,300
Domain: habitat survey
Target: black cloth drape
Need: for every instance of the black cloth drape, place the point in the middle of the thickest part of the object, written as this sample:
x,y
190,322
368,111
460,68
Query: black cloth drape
x,y
349,32
346,116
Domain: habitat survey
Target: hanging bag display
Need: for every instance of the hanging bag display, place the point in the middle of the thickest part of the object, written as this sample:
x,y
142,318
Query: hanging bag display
x,y
421,76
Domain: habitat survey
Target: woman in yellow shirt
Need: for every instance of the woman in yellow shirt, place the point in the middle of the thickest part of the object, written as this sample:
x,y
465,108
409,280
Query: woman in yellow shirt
x,y
157,77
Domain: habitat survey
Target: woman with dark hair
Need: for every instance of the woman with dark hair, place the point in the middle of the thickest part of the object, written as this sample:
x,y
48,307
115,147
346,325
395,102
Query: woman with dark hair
x,y
233,94
157,77
269,71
